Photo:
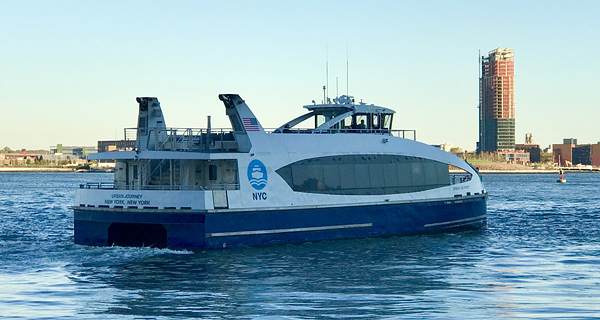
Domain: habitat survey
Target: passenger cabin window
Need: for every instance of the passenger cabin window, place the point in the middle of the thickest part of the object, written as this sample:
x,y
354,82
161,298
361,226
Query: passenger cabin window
x,y
175,174
365,175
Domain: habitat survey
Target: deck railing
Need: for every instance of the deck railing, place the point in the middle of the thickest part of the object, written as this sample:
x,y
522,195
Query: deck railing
x,y
406,134
184,139
222,139
97,185
111,186
460,178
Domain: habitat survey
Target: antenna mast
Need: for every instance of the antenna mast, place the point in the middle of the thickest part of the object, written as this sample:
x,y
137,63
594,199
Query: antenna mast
x,y
327,71
347,94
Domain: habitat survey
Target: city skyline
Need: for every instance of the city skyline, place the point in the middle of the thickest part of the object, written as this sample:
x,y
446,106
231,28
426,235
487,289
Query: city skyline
x,y
70,71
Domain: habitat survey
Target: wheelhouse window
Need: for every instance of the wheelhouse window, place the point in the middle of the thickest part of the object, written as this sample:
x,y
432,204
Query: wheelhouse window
x,y
387,121
360,121
375,121
365,175
319,120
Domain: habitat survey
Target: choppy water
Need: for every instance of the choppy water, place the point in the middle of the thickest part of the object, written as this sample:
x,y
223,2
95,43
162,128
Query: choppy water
x,y
538,258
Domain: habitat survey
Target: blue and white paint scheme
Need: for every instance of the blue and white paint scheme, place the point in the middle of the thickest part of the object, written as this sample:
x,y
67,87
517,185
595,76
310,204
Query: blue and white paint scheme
x,y
337,171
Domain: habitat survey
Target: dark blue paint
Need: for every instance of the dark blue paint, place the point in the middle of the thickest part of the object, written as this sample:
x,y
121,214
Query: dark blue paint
x,y
190,229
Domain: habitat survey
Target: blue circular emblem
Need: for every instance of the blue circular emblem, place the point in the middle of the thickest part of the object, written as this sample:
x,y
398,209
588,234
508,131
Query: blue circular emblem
x,y
257,174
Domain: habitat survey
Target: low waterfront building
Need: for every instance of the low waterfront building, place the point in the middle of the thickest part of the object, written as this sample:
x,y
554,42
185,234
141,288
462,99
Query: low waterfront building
x,y
37,158
563,154
9,159
515,156
534,150
570,153
116,145
80,151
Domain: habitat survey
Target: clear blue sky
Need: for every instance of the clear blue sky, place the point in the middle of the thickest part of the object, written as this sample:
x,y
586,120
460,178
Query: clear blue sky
x,y
70,70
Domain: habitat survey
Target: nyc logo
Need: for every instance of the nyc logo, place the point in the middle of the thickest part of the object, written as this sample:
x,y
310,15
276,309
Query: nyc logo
x,y
257,174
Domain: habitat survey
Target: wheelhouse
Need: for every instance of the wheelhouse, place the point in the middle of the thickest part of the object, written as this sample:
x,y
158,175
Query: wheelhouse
x,y
343,115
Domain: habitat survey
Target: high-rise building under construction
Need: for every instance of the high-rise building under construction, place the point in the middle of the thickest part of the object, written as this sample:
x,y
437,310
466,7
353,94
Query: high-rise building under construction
x,y
496,101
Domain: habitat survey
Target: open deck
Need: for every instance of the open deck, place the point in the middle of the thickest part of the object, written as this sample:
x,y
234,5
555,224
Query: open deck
x,y
223,140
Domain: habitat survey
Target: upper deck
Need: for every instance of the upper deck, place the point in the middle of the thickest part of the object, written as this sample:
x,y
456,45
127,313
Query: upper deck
x,y
342,116
223,139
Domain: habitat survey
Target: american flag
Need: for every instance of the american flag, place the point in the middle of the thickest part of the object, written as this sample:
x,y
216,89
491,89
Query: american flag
x,y
250,124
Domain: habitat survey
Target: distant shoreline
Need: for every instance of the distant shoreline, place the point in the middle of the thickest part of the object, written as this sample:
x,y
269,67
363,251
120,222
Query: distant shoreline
x,y
508,168
518,171
566,171
36,169
480,170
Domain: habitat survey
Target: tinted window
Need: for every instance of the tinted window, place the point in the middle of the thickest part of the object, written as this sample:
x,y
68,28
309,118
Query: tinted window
x,y
331,177
390,174
347,178
365,175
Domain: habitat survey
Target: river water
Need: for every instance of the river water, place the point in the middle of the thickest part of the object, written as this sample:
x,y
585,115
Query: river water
x,y
539,258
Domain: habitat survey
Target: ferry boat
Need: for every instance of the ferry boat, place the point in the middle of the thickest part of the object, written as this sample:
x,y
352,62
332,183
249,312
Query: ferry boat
x,y
337,171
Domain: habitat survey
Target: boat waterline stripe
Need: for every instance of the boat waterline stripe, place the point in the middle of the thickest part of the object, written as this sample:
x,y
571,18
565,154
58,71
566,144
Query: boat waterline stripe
x,y
261,232
455,221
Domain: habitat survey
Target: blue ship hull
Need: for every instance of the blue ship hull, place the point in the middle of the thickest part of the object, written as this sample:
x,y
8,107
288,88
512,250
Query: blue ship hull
x,y
229,228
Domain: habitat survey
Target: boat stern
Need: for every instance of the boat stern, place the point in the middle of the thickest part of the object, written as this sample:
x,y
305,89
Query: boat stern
x,y
152,218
